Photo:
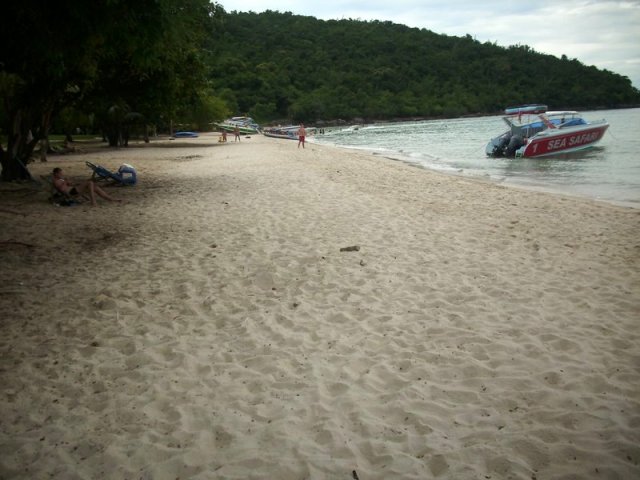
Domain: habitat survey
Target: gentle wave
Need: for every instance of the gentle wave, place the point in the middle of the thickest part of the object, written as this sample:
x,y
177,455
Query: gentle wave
x,y
609,172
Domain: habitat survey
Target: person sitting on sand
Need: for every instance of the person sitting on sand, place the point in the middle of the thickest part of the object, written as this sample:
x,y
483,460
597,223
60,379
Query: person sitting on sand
x,y
87,187
68,147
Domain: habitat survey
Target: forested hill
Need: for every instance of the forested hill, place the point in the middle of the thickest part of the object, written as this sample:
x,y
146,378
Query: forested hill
x,y
279,65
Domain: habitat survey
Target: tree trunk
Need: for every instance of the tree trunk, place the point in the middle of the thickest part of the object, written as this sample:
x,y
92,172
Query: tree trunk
x,y
44,148
125,136
23,136
113,136
45,124
13,168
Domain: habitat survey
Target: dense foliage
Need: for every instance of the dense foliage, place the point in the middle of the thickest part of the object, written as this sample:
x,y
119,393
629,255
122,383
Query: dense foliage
x,y
109,65
280,65
116,62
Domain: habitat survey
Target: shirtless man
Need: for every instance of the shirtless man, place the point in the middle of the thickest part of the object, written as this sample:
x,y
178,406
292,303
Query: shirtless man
x,y
302,133
85,188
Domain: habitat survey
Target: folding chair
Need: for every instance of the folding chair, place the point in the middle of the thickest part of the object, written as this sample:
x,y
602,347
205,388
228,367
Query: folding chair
x,y
126,174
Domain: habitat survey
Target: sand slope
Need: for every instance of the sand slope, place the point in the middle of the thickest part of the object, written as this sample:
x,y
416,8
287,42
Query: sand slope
x,y
211,327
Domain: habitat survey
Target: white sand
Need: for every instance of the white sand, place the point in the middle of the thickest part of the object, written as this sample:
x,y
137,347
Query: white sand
x,y
211,328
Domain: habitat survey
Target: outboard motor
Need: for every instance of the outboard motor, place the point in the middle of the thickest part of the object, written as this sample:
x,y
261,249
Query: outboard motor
x,y
501,145
515,142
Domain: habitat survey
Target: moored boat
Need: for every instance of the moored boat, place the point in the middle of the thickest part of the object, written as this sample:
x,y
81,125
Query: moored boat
x,y
289,132
535,132
246,125
185,135
535,108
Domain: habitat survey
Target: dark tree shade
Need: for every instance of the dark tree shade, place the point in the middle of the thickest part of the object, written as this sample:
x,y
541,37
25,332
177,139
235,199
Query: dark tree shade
x,y
103,53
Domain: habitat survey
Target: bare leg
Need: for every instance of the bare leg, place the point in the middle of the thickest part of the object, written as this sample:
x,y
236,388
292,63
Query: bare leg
x,y
92,193
92,189
103,194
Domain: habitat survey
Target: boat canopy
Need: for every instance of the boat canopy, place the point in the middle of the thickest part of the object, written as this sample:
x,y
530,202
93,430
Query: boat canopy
x,y
531,126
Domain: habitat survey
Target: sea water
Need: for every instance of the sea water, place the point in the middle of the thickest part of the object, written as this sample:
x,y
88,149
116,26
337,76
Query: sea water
x,y
608,172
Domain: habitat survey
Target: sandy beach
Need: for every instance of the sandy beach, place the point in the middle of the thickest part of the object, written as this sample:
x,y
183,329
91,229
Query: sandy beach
x,y
258,311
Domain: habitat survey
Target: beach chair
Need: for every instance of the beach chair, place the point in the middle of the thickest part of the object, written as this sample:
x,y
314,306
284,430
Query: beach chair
x,y
126,174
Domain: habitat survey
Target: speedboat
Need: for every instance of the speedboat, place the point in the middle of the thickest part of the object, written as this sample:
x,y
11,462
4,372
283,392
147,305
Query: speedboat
x,y
289,132
245,125
535,132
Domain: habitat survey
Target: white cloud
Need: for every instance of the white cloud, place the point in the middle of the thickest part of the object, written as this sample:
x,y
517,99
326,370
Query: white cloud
x,y
604,33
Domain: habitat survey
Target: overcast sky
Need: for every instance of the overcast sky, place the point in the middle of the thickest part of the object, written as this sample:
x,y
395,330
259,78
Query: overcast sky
x,y
604,33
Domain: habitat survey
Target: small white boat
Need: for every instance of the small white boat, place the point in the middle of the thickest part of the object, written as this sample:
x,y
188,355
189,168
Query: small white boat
x,y
246,125
289,132
535,132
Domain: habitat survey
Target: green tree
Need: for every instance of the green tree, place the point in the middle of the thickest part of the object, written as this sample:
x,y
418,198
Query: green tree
x,y
333,69
140,56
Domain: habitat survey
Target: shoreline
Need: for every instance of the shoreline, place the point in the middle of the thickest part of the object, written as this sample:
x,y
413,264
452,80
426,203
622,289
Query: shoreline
x,y
399,157
486,178
213,326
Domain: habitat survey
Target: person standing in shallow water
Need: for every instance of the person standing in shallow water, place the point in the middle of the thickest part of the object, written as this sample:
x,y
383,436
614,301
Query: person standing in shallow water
x,y
302,133
236,133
